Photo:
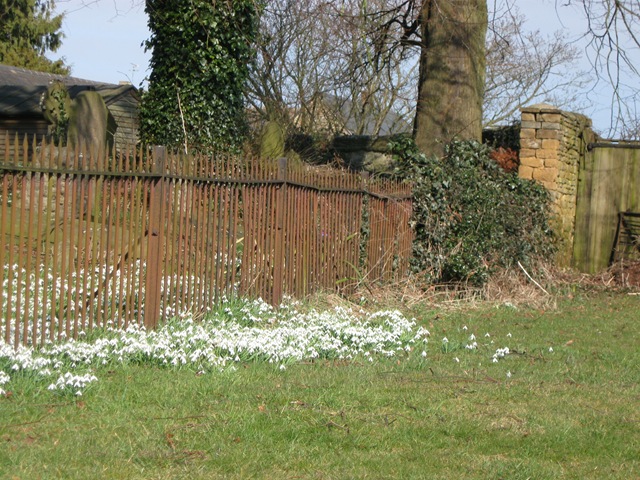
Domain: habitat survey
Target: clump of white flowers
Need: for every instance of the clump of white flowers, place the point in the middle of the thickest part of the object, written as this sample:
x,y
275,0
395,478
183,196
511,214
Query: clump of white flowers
x,y
244,331
238,331
74,383
500,353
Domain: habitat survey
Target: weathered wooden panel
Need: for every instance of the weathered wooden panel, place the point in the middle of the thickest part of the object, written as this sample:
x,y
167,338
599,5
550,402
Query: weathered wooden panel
x,y
609,183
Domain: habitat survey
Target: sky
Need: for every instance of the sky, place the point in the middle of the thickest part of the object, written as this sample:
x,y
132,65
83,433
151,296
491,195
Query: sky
x,y
104,42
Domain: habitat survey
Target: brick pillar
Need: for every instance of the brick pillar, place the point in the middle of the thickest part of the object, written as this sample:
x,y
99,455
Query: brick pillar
x,y
552,143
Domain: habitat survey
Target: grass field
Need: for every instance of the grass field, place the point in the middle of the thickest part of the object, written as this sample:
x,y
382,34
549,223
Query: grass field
x,y
564,402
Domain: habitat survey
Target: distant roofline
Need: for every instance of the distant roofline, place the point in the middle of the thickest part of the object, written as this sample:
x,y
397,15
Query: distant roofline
x,y
22,89
9,75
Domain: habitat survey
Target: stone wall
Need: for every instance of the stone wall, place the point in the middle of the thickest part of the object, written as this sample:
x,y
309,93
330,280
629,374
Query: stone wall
x,y
552,142
365,153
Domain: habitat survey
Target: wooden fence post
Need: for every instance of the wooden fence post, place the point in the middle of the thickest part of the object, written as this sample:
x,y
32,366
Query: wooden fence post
x,y
155,237
279,260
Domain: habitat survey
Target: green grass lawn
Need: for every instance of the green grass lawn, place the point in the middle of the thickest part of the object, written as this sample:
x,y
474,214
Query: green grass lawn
x,y
564,403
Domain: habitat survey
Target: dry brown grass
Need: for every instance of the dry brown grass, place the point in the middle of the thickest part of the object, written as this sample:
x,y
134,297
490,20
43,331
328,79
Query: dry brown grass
x,y
538,288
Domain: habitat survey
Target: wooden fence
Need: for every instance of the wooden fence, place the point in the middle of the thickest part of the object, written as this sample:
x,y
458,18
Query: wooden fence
x,y
89,239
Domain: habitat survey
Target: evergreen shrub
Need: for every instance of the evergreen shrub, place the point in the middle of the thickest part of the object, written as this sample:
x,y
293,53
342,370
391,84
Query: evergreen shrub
x,y
472,218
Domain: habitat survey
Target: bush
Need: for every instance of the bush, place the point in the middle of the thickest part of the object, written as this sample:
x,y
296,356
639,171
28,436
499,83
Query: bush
x,y
470,216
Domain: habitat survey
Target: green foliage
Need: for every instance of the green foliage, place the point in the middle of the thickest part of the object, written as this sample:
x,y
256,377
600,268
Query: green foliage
x,y
28,30
505,136
56,106
200,56
471,217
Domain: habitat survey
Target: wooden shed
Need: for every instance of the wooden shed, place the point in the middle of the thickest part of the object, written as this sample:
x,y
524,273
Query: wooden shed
x,y
21,92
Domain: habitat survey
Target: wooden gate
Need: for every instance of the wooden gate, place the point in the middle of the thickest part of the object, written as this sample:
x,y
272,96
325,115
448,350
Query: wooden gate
x,y
608,184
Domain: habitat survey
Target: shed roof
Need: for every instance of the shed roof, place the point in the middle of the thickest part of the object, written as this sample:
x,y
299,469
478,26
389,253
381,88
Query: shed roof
x,y
21,90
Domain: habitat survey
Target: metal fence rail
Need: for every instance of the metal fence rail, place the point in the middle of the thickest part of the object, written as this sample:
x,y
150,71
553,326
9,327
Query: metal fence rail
x,y
94,239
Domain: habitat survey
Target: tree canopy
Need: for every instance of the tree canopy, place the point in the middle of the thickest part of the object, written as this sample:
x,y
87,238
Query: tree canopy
x,y
28,30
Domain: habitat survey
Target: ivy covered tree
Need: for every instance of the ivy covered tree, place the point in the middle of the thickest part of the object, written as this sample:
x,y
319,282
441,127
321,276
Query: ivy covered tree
x,y
28,30
200,51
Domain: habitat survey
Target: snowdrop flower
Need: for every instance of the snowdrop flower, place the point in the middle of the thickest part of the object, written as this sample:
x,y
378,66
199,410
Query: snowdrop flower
x,y
509,374
464,328
500,353
550,349
424,354
509,334
487,335
457,360
4,378
445,340
472,337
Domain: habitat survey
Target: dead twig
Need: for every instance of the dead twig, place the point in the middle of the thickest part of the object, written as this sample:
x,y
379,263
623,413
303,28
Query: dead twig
x,y
531,278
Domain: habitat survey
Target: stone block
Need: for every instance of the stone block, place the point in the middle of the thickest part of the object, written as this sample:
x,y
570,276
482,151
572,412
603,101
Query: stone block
x,y
550,144
546,175
532,162
534,125
546,153
540,108
551,117
527,152
525,172
546,134
550,126
530,143
551,163
528,133
528,117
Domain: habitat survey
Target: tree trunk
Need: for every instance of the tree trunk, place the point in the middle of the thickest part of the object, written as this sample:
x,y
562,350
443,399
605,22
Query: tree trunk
x,y
452,71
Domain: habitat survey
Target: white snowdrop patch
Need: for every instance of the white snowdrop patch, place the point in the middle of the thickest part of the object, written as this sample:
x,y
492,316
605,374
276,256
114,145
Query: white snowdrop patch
x,y
255,331
239,331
